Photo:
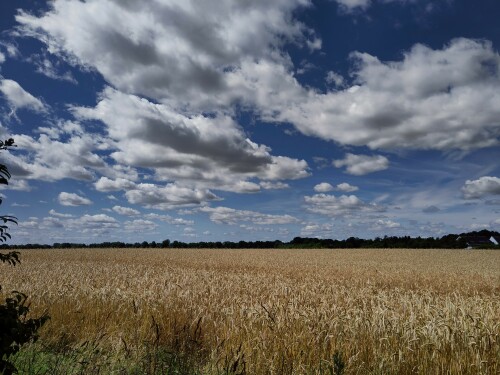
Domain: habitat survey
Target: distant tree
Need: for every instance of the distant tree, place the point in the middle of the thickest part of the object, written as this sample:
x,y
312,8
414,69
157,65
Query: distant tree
x,y
15,328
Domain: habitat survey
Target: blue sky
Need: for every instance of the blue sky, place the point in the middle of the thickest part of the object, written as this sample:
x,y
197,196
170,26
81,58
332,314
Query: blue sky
x,y
250,120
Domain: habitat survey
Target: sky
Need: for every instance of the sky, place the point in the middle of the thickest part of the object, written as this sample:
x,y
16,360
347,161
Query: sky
x,y
225,120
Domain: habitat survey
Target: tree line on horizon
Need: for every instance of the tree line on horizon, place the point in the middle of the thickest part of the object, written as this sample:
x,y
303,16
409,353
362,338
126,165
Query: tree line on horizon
x,y
449,241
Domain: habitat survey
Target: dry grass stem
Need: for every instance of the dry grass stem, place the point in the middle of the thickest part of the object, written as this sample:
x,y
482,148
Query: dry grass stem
x,y
275,311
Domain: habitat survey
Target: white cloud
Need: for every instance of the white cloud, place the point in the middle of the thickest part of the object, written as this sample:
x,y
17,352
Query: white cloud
x,y
19,205
2,58
99,222
57,214
323,187
268,185
169,219
52,160
426,100
479,226
19,98
226,215
16,184
84,224
355,6
31,223
317,230
156,48
63,226
72,199
334,78
382,224
362,164
179,137
167,197
331,205
241,187
204,151
347,188
46,67
481,187
140,225
105,184
11,49
126,211
350,5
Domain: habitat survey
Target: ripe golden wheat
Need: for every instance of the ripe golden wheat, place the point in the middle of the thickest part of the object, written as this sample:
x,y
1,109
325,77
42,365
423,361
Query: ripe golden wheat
x,y
275,311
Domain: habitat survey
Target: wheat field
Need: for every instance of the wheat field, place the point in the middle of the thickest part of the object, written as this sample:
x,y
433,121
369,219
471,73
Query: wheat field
x,y
264,311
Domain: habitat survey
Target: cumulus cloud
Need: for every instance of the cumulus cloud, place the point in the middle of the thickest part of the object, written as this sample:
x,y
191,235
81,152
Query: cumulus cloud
x,y
362,164
167,197
350,5
382,224
57,214
334,78
346,188
72,199
19,98
126,211
47,68
481,187
139,125
100,223
95,220
317,230
241,187
207,151
48,159
479,226
426,100
331,205
106,184
155,48
140,225
169,219
226,215
63,226
16,184
10,48
323,187
268,185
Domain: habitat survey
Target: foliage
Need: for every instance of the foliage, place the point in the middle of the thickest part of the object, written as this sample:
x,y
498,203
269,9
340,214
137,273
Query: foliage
x,y
15,328
4,180
449,241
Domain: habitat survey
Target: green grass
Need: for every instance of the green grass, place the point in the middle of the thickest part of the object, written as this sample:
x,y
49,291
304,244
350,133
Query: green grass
x,y
37,359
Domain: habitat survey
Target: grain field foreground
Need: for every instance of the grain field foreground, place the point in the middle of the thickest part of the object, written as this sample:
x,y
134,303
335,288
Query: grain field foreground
x,y
266,311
